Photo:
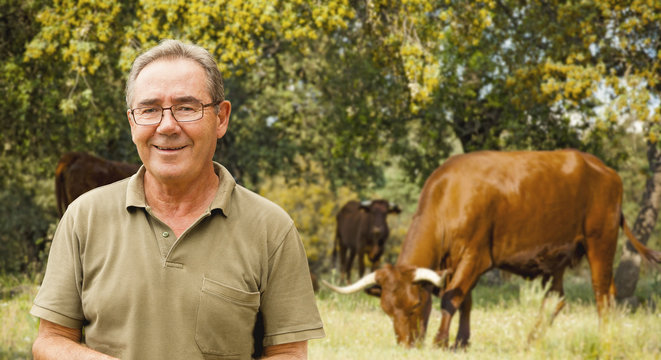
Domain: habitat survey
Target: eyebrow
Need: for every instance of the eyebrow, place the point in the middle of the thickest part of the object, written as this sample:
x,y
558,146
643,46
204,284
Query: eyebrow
x,y
179,100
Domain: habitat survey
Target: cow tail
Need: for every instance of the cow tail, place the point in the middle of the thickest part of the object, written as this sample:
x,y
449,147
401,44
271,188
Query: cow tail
x,y
644,251
335,245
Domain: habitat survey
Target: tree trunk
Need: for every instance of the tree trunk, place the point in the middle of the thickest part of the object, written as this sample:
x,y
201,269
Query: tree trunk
x,y
626,276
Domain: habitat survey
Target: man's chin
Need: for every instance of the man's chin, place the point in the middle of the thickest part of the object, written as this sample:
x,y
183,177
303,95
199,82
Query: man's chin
x,y
168,172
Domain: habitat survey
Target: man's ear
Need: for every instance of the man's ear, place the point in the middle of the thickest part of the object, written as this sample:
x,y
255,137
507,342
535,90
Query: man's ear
x,y
223,118
131,122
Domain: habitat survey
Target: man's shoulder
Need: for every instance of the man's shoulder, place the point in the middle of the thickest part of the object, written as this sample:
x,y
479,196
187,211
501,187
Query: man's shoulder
x,y
245,200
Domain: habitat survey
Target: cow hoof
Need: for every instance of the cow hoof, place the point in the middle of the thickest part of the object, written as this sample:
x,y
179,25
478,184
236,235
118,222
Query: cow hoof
x,y
441,342
460,345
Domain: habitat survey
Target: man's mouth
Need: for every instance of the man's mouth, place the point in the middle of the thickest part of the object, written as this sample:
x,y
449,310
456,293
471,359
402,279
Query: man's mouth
x,y
168,148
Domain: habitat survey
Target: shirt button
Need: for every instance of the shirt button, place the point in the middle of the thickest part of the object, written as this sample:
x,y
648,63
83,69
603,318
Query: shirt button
x,y
166,234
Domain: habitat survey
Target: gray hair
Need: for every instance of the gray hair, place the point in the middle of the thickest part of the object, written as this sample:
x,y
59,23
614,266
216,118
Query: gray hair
x,y
175,49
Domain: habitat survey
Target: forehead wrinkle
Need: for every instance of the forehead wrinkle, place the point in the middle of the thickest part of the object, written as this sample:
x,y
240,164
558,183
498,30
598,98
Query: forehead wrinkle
x,y
186,99
178,100
147,102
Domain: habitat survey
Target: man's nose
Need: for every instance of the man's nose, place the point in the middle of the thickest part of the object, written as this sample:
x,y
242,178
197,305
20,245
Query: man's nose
x,y
168,122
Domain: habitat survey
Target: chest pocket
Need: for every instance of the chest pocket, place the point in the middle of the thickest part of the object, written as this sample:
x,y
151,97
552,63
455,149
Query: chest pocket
x,y
225,320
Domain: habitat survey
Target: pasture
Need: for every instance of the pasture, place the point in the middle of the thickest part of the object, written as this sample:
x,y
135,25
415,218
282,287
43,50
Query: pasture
x,y
503,318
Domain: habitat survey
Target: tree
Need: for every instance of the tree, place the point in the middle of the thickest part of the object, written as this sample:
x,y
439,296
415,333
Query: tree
x,y
526,75
84,49
354,86
24,232
569,51
490,74
636,55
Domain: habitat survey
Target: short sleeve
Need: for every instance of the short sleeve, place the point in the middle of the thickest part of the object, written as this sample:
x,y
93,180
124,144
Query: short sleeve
x,y
59,297
289,306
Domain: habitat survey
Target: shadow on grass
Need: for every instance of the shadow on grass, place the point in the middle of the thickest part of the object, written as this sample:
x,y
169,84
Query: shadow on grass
x,y
577,287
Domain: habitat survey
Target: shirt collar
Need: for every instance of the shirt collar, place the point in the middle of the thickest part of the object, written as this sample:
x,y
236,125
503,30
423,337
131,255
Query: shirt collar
x,y
135,193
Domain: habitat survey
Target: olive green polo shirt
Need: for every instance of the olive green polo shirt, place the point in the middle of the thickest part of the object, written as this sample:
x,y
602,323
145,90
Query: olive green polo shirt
x,y
138,292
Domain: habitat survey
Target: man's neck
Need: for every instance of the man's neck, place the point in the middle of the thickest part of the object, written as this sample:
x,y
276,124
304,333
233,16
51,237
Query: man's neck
x,y
180,204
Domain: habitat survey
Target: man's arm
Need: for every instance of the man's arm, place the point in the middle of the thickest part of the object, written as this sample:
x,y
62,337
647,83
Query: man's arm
x,y
295,350
60,342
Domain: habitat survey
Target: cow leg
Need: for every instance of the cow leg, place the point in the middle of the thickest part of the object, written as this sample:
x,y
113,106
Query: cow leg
x,y
557,287
361,262
601,268
343,265
375,263
349,264
463,279
464,332
600,247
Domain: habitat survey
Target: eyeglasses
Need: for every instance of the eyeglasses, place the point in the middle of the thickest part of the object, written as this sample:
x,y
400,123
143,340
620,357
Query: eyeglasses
x,y
185,112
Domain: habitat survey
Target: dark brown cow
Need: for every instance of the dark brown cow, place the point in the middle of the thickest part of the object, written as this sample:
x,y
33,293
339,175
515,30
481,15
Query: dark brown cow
x,y
78,172
361,230
530,213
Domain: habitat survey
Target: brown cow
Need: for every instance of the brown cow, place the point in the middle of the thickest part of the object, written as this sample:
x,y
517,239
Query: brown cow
x,y
79,172
361,230
530,213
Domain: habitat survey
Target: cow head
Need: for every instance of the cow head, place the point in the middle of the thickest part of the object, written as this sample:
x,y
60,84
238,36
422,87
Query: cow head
x,y
405,296
377,229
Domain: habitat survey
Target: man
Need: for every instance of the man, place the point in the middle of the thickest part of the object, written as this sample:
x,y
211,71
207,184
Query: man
x,y
177,262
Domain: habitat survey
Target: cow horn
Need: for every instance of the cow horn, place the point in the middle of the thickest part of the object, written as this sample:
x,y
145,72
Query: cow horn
x,y
424,274
367,280
393,207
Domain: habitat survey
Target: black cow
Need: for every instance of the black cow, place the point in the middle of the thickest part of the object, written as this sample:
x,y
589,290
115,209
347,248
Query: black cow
x,y
361,229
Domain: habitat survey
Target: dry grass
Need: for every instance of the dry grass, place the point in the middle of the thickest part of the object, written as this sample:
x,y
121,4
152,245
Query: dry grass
x,y
503,317
357,328
19,328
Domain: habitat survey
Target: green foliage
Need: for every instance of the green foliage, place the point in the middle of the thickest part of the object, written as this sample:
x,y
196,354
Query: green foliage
x,y
355,87
423,76
27,216
312,206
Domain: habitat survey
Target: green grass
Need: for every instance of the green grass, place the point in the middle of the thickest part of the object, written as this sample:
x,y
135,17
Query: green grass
x,y
19,328
502,320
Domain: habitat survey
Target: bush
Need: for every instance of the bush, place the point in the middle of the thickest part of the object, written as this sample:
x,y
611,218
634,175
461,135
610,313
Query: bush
x,y
25,226
312,206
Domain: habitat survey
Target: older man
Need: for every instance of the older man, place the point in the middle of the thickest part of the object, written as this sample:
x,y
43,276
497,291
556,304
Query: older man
x,y
177,262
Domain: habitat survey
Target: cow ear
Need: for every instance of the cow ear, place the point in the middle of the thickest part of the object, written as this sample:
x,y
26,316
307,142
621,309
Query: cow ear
x,y
394,208
374,290
379,276
365,205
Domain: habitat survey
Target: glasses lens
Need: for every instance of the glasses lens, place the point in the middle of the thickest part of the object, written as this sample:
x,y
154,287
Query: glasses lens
x,y
182,112
187,112
147,115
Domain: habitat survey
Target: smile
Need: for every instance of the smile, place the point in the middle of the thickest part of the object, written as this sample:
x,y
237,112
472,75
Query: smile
x,y
169,148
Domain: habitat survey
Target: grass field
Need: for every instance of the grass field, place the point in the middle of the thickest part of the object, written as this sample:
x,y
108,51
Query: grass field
x,y
503,318
19,328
